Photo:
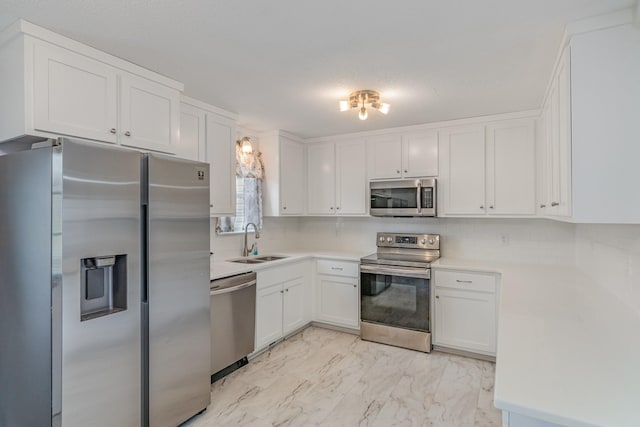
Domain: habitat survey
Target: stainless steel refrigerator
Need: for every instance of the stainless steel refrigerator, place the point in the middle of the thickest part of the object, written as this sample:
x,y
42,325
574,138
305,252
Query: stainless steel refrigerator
x,y
104,287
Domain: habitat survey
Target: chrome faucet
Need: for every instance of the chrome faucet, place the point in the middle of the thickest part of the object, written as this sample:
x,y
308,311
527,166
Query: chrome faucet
x,y
246,251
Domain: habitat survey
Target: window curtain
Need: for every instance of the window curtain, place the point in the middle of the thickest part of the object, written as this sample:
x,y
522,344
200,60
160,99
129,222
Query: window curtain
x,y
249,177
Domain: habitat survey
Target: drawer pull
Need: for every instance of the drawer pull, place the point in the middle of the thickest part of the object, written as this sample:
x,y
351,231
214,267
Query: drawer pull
x,y
464,281
336,268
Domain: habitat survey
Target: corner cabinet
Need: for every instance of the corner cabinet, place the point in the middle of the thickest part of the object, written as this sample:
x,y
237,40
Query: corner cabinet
x,y
208,134
465,311
409,155
283,302
488,169
337,178
58,91
285,183
337,293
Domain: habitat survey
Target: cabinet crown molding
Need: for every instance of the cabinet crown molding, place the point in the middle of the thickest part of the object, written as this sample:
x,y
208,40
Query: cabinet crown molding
x,y
27,28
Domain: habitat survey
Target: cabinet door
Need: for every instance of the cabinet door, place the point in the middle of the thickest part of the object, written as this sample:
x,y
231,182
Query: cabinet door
x,y
268,315
321,178
384,155
221,156
564,136
149,114
338,300
465,320
462,170
293,186
192,133
420,154
351,178
74,95
295,307
511,185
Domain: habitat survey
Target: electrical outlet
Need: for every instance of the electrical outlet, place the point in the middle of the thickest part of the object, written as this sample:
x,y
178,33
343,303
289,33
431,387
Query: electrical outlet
x,y
504,239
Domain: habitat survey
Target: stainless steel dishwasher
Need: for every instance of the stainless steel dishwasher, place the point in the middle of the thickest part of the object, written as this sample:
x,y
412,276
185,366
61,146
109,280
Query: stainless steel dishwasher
x,y
233,322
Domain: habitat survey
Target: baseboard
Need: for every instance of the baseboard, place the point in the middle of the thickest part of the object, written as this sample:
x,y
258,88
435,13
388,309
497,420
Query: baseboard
x,y
464,353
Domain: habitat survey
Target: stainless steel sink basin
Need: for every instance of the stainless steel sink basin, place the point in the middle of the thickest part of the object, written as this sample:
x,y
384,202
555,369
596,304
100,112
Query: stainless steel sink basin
x,y
246,261
271,257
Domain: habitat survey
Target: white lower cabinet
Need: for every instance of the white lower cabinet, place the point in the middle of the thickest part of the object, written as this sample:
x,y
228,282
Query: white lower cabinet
x,y
465,311
337,293
283,301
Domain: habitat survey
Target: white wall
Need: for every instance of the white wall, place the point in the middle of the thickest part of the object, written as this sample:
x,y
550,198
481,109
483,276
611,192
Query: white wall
x,y
610,255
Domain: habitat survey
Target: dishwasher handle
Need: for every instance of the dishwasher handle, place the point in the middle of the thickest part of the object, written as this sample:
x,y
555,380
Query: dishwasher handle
x,y
232,288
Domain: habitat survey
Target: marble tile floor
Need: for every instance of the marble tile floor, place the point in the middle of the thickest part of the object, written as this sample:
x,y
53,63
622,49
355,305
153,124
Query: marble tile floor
x,y
321,377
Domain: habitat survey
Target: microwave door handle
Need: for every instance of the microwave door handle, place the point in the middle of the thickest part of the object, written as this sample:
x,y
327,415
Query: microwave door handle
x,y
419,197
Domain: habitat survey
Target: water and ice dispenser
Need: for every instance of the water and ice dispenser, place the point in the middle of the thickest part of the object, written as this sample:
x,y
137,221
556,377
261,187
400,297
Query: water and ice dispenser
x,y
103,286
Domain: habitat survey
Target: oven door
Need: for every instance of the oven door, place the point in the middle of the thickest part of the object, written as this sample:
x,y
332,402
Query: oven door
x,y
395,296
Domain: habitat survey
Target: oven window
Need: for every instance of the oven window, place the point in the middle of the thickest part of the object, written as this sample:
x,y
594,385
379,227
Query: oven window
x,y
397,198
395,301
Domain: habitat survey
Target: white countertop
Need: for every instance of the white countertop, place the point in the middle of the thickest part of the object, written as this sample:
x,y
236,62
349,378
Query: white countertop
x,y
568,351
220,269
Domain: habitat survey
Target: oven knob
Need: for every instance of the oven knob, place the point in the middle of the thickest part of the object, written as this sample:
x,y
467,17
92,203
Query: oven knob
x,y
389,239
431,241
423,241
381,239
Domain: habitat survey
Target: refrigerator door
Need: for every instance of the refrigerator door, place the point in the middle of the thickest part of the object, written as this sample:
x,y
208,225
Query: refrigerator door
x,y
177,289
101,328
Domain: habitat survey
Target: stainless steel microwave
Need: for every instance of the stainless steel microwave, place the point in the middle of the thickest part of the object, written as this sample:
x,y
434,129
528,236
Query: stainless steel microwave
x,y
407,197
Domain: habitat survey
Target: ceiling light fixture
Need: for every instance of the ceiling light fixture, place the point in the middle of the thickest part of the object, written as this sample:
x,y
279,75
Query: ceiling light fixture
x,y
361,99
246,145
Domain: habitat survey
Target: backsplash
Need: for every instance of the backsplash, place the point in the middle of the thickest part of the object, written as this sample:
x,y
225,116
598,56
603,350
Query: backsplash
x,y
610,254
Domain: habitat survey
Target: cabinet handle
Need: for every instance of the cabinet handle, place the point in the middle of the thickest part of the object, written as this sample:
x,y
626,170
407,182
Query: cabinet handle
x,y
127,133
331,208
284,208
282,292
543,206
437,296
355,286
336,268
464,281
113,130
287,290
397,170
490,207
481,206
337,208
210,206
406,171
554,203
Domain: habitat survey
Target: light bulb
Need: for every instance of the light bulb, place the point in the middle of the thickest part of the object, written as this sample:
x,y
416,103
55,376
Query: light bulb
x,y
246,146
384,108
344,105
362,115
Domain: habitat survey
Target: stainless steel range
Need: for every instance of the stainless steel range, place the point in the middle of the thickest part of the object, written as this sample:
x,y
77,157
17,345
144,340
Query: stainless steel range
x,y
394,290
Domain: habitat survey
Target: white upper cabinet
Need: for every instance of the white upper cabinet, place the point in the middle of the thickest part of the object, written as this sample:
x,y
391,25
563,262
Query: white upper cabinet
x,y
149,115
511,182
221,156
285,182
410,155
462,171
292,184
55,86
192,143
384,155
74,95
420,154
322,178
208,134
337,178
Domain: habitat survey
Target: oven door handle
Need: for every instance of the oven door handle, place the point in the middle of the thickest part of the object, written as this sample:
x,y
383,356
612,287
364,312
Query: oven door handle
x,y
401,272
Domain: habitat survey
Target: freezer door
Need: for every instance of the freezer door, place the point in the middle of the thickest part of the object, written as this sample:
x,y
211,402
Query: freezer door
x,y
177,289
101,328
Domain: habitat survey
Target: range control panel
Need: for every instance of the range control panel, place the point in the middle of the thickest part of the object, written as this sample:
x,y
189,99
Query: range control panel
x,y
413,241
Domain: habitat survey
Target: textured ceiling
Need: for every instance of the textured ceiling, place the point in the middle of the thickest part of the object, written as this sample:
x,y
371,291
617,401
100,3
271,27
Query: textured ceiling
x,y
285,63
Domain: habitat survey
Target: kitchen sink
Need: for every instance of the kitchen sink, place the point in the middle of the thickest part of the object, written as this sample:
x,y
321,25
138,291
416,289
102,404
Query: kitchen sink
x,y
246,261
271,257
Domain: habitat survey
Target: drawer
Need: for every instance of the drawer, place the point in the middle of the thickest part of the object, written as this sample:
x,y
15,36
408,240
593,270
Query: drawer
x,y
338,268
282,273
465,280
